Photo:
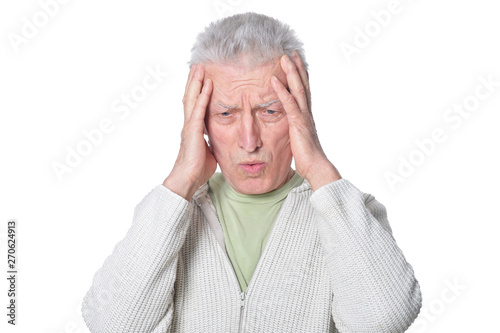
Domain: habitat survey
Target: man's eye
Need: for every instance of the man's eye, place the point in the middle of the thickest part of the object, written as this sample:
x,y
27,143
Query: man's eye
x,y
225,114
271,115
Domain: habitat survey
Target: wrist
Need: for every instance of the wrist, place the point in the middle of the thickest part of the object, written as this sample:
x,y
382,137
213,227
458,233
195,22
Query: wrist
x,y
180,186
322,174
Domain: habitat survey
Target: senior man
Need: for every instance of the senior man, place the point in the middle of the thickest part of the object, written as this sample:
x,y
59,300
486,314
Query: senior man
x,y
259,247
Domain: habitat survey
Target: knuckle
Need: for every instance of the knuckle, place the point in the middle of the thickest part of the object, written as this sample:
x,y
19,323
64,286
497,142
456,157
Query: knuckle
x,y
188,100
289,99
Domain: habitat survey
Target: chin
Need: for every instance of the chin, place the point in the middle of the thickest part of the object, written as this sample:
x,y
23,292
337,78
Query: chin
x,y
252,186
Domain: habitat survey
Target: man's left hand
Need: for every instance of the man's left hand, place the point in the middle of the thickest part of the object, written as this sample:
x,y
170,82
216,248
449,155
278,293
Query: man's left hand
x,y
311,162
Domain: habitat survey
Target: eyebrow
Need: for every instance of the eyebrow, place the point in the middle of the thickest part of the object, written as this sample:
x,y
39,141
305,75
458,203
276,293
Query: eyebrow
x,y
268,103
230,107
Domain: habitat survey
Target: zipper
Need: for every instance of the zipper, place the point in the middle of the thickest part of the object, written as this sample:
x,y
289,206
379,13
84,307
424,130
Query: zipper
x,y
210,214
215,225
242,304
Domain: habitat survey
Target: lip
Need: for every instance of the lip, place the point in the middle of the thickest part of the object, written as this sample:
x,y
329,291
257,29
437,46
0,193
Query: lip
x,y
252,167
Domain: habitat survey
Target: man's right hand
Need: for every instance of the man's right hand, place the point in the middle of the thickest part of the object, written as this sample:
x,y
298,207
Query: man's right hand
x,y
195,163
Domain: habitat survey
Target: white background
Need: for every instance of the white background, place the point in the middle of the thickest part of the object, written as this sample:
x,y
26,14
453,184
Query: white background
x,y
65,78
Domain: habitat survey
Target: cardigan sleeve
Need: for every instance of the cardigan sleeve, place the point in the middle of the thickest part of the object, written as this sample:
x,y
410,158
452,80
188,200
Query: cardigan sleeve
x,y
133,290
374,287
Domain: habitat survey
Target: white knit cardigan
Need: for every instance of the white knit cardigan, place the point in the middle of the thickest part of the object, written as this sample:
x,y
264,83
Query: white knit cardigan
x,y
331,264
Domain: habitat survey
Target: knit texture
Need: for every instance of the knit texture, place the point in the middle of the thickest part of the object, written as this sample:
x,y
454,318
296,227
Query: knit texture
x,y
331,264
247,221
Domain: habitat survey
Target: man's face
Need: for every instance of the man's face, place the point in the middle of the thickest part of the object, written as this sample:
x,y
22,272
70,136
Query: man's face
x,y
248,128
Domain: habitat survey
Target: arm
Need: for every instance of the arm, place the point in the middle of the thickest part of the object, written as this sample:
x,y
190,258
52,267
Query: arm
x,y
374,287
133,290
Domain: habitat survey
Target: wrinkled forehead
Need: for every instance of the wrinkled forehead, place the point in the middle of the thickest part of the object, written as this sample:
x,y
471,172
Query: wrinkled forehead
x,y
233,81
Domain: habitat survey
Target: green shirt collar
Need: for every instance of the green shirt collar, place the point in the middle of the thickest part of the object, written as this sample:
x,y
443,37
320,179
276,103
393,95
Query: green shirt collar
x,y
218,184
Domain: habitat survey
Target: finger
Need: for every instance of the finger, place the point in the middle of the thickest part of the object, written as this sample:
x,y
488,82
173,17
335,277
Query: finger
x,y
297,89
288,101
192,69
199,110
193,92
304,75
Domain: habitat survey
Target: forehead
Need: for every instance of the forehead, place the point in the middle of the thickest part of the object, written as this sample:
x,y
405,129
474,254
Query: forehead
x,y
233,82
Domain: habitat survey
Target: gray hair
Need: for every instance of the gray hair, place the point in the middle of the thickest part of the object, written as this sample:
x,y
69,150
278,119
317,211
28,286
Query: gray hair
x,y
255,38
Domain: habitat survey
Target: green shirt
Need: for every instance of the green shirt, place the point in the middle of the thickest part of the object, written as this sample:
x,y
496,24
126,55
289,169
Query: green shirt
x,y
247,221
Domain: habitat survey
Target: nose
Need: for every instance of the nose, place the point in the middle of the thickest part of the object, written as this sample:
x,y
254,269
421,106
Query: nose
x,y
249,133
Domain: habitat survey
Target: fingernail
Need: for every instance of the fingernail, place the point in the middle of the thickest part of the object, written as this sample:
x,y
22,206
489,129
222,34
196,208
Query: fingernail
x,y
288,62
283,61
274,81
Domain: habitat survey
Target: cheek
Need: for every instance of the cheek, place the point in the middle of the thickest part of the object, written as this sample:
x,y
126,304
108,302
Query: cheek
x,y
220,141
279,140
